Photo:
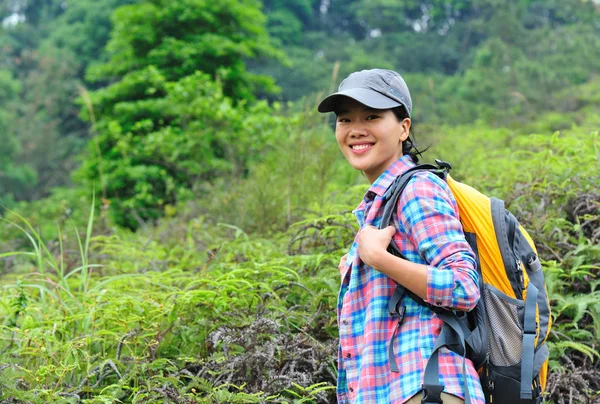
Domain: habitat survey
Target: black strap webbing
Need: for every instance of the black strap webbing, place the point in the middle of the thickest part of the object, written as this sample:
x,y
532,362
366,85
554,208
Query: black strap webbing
x,y
529,334
453,333
390,200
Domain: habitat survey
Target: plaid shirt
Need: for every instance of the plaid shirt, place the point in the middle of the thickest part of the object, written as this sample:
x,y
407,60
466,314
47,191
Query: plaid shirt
x,y
428,232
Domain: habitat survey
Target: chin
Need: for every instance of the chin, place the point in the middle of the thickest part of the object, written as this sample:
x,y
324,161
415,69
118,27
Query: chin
x,y
360,167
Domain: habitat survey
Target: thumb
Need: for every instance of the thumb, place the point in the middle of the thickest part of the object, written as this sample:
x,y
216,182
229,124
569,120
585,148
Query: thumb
x,y
391,230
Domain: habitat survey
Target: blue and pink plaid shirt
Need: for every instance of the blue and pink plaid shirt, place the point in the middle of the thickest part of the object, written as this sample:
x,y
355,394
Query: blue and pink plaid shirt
x,y
428,232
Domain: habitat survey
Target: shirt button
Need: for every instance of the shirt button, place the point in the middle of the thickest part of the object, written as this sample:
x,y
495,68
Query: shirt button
x,y
351,389
345,322
371,195
348,355
439,302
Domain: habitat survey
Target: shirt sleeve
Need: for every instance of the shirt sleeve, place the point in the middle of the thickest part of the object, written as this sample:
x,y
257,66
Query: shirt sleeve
x,y
429,214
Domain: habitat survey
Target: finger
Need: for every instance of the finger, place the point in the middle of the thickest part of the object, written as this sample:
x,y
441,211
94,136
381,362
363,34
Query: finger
x,y
391,230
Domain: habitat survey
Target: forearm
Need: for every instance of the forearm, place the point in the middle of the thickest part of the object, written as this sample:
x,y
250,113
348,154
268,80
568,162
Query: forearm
x,y
451,282
428,213
408,274
451,288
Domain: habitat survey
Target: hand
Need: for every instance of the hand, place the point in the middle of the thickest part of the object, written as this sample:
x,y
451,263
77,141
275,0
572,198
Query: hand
x,y
373,243
342,262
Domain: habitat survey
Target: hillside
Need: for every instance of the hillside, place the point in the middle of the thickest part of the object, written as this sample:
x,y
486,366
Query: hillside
x,y
174,208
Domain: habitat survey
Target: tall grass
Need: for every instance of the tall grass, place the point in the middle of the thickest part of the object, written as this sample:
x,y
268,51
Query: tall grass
x,y
131,318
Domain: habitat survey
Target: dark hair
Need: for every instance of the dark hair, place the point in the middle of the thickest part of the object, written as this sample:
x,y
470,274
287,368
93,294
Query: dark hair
x,y
409,146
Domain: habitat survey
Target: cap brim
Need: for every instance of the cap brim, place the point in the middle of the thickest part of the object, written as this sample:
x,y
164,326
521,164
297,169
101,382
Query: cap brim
x,y
368,97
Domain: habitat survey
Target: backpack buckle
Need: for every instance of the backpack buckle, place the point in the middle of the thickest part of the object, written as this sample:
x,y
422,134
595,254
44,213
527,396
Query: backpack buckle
x,y
432,394
443,164
537,391
398,313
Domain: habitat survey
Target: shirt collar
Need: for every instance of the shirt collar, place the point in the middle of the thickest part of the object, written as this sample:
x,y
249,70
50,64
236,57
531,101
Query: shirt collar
x,y
383,182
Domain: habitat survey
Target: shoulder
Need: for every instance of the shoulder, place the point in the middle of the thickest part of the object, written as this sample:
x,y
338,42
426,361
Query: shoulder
x,y
427,184
425,190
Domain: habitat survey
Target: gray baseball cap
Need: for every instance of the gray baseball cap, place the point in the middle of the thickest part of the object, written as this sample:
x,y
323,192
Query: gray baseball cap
x,y
375,88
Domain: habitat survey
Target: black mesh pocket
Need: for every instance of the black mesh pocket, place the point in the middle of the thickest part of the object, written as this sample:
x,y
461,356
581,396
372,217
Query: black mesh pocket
x,y
504,316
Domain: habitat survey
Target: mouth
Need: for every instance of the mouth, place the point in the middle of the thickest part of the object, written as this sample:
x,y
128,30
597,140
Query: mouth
x,y
361,148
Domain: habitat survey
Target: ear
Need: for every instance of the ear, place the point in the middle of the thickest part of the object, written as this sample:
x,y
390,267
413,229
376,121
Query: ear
x,y
405,129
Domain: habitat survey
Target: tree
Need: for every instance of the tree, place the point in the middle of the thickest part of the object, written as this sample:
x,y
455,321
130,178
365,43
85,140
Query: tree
x,y
13,176
179,38
26,23
47,122
181,107
287,20
84,29
48,45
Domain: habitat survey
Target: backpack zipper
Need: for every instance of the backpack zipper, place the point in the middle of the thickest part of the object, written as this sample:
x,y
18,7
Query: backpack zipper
x,y
521,277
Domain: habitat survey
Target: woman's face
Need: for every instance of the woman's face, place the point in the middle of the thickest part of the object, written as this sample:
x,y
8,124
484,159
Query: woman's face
x,y
370,139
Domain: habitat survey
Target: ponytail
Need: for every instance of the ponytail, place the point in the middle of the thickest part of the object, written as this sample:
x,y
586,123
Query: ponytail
x,y
409,146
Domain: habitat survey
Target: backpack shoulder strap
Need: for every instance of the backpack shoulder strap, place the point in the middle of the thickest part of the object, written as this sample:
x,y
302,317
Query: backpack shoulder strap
x,y
390,201
392,195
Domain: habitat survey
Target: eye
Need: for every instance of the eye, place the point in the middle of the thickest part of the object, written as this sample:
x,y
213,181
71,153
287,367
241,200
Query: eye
x,y
372,116
343,120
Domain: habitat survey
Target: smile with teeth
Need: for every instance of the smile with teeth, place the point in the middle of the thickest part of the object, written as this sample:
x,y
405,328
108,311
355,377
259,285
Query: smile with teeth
x,y
361,146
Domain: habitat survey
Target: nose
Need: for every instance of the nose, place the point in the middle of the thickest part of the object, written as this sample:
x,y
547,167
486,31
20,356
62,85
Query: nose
x,y
358,131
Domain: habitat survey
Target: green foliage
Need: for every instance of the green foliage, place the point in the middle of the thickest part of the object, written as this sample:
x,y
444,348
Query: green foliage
x,y
13,175
227,290
83,29
180,38
463,60
202,311
284,25
46,125
146,321
151,152
165,127
47,49
274,196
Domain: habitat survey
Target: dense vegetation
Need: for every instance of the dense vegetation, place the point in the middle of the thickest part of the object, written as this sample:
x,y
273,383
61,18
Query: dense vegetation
x,y
174,209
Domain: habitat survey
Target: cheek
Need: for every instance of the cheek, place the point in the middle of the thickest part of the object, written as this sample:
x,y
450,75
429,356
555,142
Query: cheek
x,y
396,134
339,137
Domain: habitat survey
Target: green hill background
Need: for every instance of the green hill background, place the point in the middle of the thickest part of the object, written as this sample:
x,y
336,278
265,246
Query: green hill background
x,y
174,209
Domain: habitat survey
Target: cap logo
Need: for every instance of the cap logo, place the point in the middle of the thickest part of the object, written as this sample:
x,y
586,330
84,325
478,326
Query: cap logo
x,y
396,93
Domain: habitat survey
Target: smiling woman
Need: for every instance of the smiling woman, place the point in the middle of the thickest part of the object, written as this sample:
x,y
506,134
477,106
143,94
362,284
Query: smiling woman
x,y
370,139
373,123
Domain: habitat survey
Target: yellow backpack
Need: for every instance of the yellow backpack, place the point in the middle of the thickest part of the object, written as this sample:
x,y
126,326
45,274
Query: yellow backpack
x,y
505,335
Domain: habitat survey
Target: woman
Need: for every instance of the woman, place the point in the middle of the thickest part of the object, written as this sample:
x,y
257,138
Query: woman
x,y
373,123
